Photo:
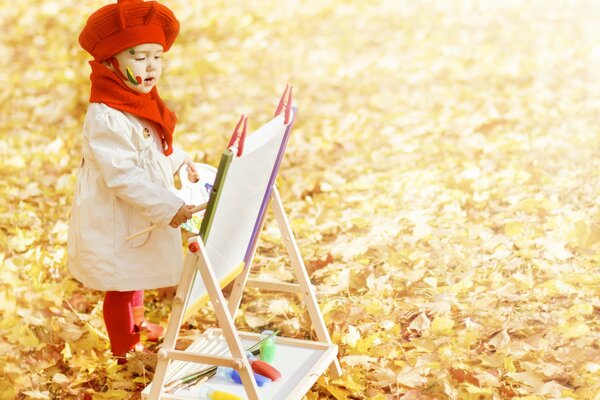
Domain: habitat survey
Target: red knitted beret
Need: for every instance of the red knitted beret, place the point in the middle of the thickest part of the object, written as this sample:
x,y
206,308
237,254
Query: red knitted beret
x,y
116,27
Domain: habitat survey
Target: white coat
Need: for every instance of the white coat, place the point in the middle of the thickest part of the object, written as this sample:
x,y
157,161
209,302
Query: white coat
x,y
125,184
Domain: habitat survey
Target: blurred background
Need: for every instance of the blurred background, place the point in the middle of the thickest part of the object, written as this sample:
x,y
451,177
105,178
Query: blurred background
x,y
443,169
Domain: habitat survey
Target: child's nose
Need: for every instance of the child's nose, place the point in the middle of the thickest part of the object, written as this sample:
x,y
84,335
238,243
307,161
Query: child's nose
x,y
152,65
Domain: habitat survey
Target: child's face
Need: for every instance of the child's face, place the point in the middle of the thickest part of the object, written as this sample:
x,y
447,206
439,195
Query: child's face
x,y
145,64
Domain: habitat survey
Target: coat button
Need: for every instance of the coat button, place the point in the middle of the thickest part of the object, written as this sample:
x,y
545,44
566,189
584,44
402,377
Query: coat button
x,y
146,133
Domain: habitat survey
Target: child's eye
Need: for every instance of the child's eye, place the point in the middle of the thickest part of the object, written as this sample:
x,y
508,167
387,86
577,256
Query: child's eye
x,y
140,59
158,57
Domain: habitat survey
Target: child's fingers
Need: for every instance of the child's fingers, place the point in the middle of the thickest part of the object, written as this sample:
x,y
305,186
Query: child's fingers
x,y
193,178
190,166
188,212
192,175
183,214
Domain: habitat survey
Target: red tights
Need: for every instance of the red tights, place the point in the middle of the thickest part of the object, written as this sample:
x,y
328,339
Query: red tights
x,y
123,329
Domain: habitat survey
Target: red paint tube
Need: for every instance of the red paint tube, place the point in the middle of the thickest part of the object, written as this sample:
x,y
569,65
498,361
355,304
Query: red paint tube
x,y
263,368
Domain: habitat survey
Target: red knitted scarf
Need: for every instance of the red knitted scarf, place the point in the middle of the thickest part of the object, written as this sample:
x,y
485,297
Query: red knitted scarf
x,y
109,89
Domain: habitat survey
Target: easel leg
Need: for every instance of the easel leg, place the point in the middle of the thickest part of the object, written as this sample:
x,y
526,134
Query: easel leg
x,y
238,290
226,323
175,320
303,280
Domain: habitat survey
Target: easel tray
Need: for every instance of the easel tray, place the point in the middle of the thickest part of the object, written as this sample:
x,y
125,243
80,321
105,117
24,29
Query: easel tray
x,y
301,362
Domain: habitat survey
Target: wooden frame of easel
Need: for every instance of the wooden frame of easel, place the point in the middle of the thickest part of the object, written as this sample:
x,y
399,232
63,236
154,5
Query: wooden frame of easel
x,y
225,311
197,260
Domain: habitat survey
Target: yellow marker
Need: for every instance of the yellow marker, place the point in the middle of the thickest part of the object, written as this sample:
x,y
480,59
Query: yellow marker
x,y
221,395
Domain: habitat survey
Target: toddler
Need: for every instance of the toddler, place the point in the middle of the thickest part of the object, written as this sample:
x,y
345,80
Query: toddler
x,y
126,176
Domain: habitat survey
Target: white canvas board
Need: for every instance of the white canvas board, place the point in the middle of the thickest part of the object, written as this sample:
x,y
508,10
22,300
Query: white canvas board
x,y
244,188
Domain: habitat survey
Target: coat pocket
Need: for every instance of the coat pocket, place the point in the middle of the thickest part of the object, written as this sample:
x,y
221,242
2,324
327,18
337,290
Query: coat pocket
x,y
136,222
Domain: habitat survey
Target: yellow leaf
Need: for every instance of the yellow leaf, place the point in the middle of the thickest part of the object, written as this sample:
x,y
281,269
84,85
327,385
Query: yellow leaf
x,y
533,205
431,281
352,381
581,309
485,391
66,352
445,353
509,366
594,236
500,340
112,394
574,330
21,241
378,396
582,231
528,378
362,360
61,379
424,344
551,389
280,307
412,376
555,286
461,286
338,393
36,394
587,393
352,337
7,389
442,325
15,161
254,320
25,337
420,324
514,228
555,248
365,344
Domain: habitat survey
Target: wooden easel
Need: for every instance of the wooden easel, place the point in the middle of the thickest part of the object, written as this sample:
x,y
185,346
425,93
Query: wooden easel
x,y
322,354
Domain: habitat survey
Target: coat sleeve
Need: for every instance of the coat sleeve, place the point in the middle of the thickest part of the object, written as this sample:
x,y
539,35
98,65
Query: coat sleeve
x,y
117,159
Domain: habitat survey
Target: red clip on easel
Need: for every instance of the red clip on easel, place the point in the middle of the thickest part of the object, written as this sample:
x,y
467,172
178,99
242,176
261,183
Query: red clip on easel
x,y
287,103
239,137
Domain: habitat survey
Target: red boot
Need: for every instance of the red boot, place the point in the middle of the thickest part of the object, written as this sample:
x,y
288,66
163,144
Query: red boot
x,y
124,335
152,331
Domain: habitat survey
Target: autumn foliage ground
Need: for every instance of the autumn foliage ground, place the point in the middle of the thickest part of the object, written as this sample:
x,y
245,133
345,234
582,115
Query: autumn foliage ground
x,y
442,181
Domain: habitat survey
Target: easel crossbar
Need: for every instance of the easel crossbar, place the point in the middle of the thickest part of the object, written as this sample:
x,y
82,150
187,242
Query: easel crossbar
x,y
180,355
275,286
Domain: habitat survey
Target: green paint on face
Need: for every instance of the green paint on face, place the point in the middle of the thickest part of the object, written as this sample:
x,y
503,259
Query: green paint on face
x,y
131,51
132,78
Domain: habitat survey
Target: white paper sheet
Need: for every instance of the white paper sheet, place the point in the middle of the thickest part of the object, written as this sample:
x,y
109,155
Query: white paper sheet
x,y
244,189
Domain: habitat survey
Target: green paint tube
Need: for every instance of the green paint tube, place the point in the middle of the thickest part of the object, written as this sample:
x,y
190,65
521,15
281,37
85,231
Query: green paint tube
x,y
267,348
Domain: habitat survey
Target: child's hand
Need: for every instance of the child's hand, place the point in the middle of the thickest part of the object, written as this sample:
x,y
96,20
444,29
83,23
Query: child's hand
x,y
183,214
192,173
